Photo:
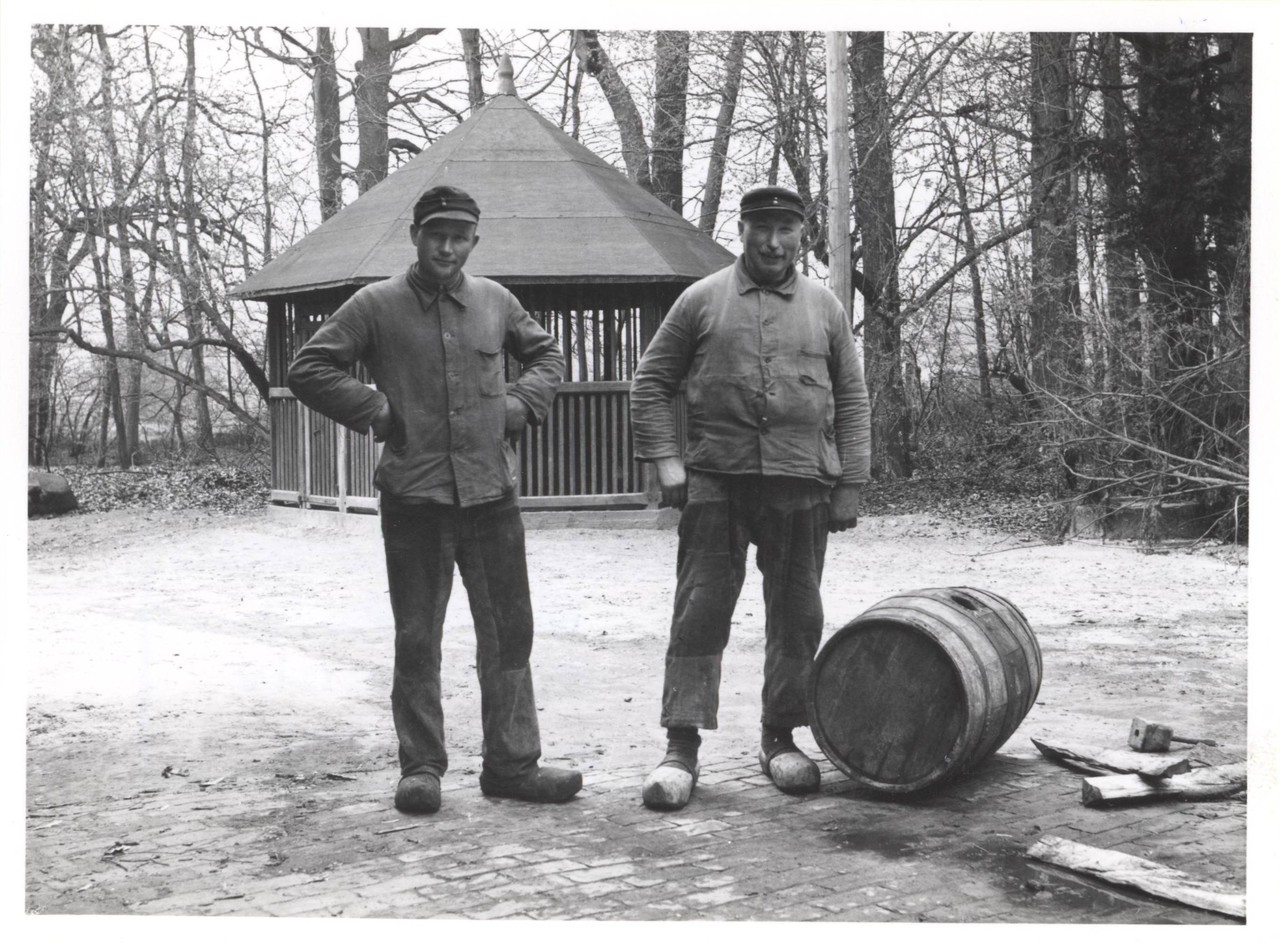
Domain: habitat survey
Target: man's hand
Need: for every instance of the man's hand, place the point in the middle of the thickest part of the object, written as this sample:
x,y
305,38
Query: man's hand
x,y
673,481
517,417
382,423
844,507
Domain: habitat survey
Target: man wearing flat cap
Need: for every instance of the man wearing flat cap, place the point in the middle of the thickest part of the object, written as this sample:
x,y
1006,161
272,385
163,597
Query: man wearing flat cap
x,y
433,340
777,450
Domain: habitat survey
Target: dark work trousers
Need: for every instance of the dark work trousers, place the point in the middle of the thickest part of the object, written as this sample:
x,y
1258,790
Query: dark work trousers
x,y
422,543
786,518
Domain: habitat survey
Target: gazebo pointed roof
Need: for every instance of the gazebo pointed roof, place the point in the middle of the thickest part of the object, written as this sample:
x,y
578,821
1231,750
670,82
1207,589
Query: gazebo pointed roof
x,y
550,211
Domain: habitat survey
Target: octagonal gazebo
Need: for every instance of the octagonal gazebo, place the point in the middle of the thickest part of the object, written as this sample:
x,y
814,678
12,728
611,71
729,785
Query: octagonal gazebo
x,y
593,257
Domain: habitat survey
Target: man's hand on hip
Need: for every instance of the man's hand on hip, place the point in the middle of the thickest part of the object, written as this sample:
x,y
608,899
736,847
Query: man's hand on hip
x,y
844,507
517,417
673,481
382,423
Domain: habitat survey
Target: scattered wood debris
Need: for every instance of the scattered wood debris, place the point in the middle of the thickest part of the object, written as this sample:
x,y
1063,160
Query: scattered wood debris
x,y
1119,868
1150,766
1204,783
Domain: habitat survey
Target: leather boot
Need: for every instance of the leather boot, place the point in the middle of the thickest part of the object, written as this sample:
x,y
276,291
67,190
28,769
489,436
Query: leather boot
x,y
541,785
418,793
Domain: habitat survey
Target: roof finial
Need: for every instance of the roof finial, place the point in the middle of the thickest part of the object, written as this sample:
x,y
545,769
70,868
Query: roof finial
x,y
506,76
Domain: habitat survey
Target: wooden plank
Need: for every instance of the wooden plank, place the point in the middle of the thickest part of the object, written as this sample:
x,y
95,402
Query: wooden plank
x,y
1206,783
1125,762
634,500
1119,868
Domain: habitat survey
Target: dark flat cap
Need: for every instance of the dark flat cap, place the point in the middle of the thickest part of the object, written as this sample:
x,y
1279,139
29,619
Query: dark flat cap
x,y
771,198
445,203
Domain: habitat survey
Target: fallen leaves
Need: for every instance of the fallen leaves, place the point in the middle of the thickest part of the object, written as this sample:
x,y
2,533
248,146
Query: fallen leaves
x,y
221,488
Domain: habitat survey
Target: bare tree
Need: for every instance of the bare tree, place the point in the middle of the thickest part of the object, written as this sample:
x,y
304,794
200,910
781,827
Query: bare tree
x,y
877,220
671,86
635,148
471,58
723,130
373,98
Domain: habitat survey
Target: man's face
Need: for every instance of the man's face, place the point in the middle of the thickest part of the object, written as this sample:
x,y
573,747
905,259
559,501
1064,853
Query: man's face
x,y
770,241
443,247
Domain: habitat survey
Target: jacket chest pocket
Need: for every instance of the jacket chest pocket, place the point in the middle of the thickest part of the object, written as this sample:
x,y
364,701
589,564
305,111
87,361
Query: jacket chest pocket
x,y
811,368
489,370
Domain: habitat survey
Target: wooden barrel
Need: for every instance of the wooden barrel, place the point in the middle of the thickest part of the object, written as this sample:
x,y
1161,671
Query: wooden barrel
x,y
923,686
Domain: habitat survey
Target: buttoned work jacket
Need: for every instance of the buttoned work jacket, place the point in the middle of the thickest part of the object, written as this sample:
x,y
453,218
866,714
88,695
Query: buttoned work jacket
x,y
774,382
438,360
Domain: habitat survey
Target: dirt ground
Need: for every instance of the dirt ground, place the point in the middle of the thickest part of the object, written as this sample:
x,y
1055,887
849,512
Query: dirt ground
x,y
180,644
171,638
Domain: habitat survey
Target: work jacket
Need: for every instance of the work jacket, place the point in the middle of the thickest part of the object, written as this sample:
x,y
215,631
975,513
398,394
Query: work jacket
x,y
774,382
437,358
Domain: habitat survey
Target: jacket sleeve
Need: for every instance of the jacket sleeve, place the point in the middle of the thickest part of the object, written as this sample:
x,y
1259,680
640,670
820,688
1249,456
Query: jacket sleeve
x,y
319,374
541,362
853,408
662,367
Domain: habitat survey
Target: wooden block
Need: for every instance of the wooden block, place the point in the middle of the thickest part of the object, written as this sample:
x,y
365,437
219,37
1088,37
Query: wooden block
x,y
1206,783
1150,766
1119,868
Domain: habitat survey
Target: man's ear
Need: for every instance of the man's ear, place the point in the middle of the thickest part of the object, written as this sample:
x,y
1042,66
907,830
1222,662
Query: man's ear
x,y
741,226
413,233
475,239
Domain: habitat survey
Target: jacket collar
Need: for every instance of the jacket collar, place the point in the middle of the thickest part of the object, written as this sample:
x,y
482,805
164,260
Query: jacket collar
x,y
428,292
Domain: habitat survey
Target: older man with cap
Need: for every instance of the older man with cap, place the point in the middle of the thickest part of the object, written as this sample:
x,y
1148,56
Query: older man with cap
x,y
433,340
777,451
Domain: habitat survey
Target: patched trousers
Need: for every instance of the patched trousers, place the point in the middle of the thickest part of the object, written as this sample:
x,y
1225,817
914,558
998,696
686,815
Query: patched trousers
x,y
786,518
423,542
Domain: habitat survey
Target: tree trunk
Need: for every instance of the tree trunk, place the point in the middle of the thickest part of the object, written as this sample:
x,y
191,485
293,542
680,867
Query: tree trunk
x,y
373,99
671,84
372,94
1056,336
1123,279
969,239
876,211
326,102
471,58
1172,147
635,149
189,279
49,300
131,384
115,397
724,128
1231,221
49,265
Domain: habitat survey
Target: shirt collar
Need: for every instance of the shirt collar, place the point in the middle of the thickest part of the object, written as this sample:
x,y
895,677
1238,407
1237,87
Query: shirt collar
x,y
429,291
746,283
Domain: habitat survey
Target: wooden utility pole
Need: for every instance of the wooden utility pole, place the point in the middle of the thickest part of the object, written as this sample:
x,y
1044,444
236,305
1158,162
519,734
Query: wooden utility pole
x,y
838,168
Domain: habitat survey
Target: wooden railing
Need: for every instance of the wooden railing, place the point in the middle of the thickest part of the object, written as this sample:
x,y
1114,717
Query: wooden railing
x,y
580,456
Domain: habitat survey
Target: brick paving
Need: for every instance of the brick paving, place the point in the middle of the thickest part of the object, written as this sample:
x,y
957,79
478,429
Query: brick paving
x,y
232,754
316,846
